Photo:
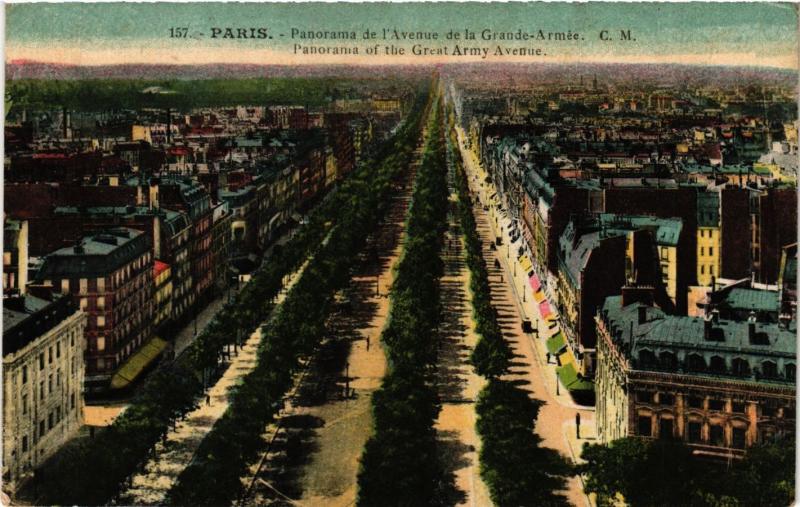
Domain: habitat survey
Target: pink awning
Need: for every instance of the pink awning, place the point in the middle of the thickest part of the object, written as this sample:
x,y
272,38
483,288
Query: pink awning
x,y
544,309
535,283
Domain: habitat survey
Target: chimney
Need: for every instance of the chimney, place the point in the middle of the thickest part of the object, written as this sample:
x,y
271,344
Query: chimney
x,y
642,314
707,325
751,327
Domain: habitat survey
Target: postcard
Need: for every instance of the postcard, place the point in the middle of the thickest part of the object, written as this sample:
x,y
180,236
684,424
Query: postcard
x,y
400,254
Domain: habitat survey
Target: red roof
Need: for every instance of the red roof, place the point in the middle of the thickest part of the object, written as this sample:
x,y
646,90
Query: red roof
x,y
159,267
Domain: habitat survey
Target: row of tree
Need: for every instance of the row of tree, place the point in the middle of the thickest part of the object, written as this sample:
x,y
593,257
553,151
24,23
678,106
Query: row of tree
x,y
514,467
92,472
663,472
400,464
292,333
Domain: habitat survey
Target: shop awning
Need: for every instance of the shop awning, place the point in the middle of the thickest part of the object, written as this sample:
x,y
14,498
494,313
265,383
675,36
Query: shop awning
x,y
526,263
544,309
539,296
569,377
535,283
556,343
135,365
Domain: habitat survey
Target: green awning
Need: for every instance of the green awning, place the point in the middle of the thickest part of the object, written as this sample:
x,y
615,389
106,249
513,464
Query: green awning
x,y
556,342
569,377
135,364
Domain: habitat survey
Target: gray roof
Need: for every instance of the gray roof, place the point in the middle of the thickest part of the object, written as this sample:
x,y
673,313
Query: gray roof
x,y
708,209
101,253
681,334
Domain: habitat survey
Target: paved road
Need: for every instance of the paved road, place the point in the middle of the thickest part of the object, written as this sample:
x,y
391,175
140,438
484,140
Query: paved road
x,y
557,415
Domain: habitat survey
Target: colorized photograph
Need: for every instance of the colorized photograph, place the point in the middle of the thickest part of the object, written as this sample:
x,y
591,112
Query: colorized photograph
x,y
537,254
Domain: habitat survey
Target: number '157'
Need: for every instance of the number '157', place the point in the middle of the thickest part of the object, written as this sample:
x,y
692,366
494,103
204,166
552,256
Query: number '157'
x,y
179,32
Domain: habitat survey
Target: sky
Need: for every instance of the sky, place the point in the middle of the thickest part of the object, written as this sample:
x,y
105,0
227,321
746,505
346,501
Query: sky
x,y
754,34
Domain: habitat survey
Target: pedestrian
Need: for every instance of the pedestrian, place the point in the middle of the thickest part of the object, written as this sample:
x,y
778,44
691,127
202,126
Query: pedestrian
x,y
548,358
208,399
578,425
367,343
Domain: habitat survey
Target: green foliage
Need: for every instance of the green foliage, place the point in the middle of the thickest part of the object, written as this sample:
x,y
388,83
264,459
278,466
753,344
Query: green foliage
x,y
115,94
515,468
400,464
661,472
293,331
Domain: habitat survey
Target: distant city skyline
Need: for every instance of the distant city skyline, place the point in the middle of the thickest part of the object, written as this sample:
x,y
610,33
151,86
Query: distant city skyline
x,y
763,35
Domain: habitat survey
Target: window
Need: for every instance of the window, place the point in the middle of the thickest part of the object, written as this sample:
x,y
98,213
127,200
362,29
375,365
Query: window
x,y
695,402
767,409
50,421
645,428
101,321
101,363
769,369
58,348
41,361
666,399
665,428
702,251
711,251
72,401
41,390
41,428
101,343
83,286
791,371
24,374
24,404
718,364
72,339
49,355
84,303
101,284
25,443
716,404
738,407
101,303
58,413
702,269
58,377
64,286
717,434
695,362
644,397
668,360
738,438
50,383
694,433
741,367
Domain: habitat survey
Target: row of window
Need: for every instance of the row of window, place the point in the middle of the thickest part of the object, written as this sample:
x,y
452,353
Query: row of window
x,y
768,409
694,432
710,251
696,363
45,425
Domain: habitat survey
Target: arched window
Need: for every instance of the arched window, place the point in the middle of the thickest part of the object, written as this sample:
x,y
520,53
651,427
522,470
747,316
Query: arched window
x,y
769,369
647,358
741,368
791,371
695,362
718,364
668,361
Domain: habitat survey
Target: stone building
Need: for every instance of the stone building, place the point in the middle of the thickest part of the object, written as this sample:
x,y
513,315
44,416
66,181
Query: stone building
x,y
719,385
43,373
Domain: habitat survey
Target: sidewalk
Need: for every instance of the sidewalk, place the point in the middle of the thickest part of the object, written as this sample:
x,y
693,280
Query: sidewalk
x,y
513,270
150,486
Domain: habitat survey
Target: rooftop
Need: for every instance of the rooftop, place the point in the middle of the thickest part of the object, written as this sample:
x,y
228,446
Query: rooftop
x,y
95,255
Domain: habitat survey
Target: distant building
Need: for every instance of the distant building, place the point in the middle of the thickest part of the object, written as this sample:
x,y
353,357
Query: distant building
x,y
43,349
111,275
15,256
162,292
719,385
708,237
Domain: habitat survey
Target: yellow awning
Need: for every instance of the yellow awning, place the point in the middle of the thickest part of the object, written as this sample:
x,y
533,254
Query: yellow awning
x,y
526,263
538,296
135,364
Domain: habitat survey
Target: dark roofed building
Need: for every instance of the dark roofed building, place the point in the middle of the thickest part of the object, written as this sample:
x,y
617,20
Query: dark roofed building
x,y
720,385
110,274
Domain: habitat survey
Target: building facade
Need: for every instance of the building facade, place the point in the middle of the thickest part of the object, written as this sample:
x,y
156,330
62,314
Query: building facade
x,y
719,385
43,349
111,275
